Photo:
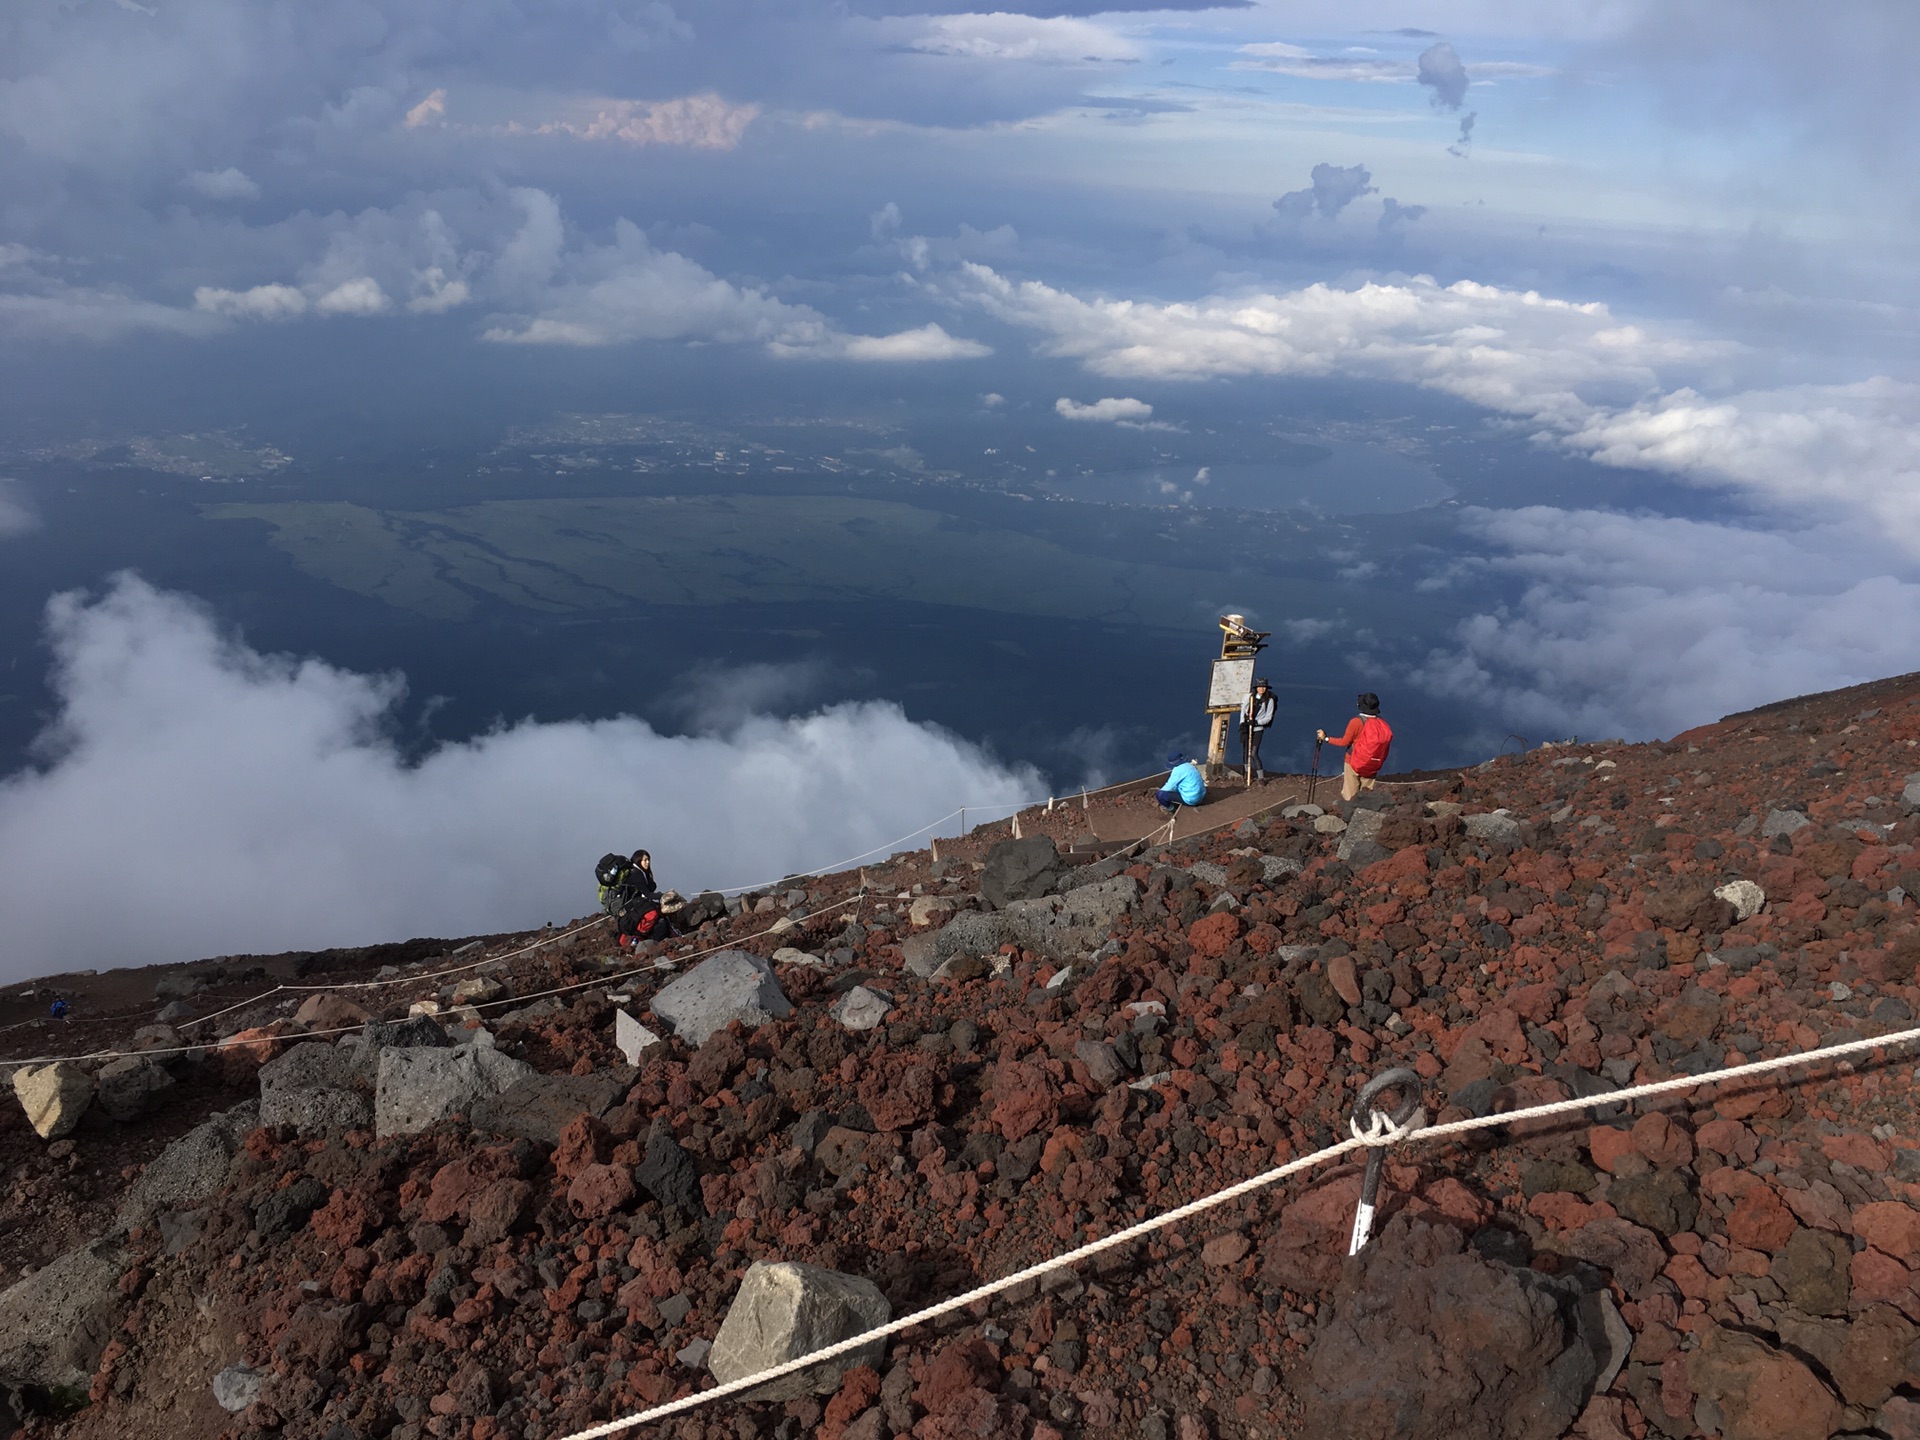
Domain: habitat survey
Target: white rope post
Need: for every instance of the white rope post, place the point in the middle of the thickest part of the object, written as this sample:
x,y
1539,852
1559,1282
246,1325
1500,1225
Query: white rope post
x,y
1016,825
934,842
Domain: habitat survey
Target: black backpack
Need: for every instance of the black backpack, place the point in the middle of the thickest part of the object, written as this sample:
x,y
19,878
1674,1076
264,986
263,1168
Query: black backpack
x,y
611,870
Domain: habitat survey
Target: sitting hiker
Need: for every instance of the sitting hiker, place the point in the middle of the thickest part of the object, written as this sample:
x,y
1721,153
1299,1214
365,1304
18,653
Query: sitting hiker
x,y
1184,785
1366,741
643,872
630,894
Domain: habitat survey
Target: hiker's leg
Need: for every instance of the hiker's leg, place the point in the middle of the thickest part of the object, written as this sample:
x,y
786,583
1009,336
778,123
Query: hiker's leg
x,y
1253,753
1167,799
1349,783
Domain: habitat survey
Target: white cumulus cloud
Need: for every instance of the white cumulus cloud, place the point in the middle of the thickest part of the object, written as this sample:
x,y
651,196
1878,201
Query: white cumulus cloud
x,y
1617,392
1109,409
1645,625
268,810
261,302
361,295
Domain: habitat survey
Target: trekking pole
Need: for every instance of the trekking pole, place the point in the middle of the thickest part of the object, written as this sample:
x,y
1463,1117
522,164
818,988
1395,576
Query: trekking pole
x,y
1314,783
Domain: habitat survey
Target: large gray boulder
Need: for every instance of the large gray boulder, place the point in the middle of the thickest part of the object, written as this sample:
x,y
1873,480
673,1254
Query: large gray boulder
x,y
783,1311
1020,870
190,1169
1910,797
55,1323
733,985
1067,926
1063,927
418,1088
1359,842
319,1087
131,1086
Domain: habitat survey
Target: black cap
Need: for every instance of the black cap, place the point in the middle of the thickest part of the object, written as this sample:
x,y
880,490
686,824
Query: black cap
x,y
1368,702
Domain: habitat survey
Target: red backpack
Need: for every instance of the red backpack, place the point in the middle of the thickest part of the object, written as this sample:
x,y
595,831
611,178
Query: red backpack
x,y
1370,747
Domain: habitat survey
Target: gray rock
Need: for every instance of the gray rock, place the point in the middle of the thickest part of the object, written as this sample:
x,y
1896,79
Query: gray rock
x,y
971,932
178,985
189,1170
1328,825
1020,870
861,1008
419,1088
413,1033
1064,927
1359,845
237,1387
287,1209
179,1229
631,1038
668,1174
1496,829
1782,822
1910,797
174,1012
131,1086
733,985
1273,867
783,1311
53,1096
55,1323
317,1087
1294,812
1104,1066
539,1107
1206,870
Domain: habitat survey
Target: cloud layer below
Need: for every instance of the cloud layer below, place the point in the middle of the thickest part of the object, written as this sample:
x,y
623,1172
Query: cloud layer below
x,y
197,797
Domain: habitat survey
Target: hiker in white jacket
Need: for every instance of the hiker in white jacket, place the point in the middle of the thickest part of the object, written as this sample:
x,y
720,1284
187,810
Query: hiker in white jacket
x,y
1256,714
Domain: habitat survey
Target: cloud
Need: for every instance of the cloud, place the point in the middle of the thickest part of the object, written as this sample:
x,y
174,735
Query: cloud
x,y
16,515
1440,70
429,111
629,291
361,295
1644,625
1334,188
1004,36
929,342
269,810
698,122
1109,409
227,184
885,222
1393,215
1279,58
1465,139
1584,380
262,302
436,292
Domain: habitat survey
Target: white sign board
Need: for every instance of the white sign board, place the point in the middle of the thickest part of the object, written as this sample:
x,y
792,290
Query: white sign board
x,y
1232,683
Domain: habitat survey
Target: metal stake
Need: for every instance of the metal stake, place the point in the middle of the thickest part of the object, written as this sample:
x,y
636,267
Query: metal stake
x,y
1408,1084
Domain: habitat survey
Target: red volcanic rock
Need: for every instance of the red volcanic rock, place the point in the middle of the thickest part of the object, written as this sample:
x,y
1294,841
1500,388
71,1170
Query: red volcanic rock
x,y
583,1141
345,1219
599,1190
1764,1393
901,1092
455,1185
1025,1099
1344,979
1608,1145
1662,1141
500,1210
1223,1252
1759,1220
1212,934
1891,1227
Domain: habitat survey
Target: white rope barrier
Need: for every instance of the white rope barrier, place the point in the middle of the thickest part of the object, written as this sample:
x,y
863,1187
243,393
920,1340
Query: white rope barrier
x,y
1380,1132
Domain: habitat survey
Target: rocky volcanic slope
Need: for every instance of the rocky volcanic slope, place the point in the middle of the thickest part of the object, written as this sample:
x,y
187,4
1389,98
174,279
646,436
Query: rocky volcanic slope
x,y
315,1253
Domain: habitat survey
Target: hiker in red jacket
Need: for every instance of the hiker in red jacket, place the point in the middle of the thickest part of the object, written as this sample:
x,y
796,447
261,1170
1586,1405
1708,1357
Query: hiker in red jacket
x,y
1366,742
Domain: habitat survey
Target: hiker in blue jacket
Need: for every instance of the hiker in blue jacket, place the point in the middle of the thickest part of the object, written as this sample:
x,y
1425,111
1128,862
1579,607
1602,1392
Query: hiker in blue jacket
x,y
1184,785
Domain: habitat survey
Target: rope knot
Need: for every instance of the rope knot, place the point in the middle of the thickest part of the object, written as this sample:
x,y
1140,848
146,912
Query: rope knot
x,y
1382,1129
